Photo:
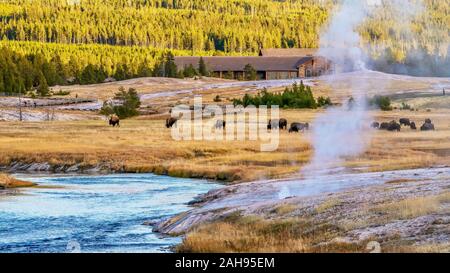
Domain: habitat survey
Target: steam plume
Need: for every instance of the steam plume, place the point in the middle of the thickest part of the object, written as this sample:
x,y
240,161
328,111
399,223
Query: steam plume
x,y
342,131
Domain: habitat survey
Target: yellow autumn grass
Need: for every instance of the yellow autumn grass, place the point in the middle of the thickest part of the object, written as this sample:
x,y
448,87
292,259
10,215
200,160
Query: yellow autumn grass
x,y
413,207
145,145
9,182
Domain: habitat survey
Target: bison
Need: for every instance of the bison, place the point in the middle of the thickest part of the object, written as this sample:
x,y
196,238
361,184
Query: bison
x,y
390,126
114,120
170,122
427,127
405,122
277,124
375,125
413,126
297,127
220,124
384,125
394,126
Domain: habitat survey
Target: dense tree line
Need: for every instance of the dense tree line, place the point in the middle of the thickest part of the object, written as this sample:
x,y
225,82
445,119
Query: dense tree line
x,y
49,42
242,26
28,66
230,26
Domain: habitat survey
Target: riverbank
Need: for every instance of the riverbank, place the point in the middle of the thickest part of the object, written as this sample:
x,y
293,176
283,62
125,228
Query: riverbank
x,y
403,211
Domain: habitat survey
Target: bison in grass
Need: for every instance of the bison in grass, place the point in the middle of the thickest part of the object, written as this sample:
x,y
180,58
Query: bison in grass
x,y
384,125
277,124
427,126
394,126
391,126
170,122
413,126
405,122
375,125
298,127
114,120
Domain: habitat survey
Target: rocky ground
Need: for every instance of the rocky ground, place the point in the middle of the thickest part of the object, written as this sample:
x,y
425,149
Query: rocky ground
x,y
390,207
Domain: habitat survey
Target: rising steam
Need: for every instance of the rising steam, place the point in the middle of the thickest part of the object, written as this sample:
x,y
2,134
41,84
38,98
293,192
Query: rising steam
x,y
342,131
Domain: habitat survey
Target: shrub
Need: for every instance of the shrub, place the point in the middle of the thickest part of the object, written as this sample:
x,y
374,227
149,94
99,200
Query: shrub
x,y
299,96
382,102
128,107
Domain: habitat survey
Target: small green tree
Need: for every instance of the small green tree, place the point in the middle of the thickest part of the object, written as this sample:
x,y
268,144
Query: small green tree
x,y
170,68
202,69
128,105
250,73
190,71
382,102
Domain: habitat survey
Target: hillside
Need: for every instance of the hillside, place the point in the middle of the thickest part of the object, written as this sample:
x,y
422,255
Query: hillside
x,y
86,41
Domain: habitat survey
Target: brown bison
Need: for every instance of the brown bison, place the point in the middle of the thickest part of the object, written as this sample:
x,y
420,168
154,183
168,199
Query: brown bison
x,y
114,120
413,126
298,127
220,124
384,125
170,122
428,125
390,126
405,122
394,126
277,124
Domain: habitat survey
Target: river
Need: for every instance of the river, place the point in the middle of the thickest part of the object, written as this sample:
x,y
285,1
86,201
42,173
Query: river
x,y
94,213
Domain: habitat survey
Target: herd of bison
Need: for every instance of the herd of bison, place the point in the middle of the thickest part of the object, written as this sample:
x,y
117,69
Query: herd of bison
x,y
396,126
296,127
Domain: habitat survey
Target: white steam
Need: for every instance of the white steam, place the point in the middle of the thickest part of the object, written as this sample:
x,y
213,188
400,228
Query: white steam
x,y
344,131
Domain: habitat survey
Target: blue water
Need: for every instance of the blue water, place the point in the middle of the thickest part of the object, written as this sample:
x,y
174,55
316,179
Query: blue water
x,y
94,213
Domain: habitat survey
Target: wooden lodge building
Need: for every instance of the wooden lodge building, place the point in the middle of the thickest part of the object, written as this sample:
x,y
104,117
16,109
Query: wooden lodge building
x,y
271,64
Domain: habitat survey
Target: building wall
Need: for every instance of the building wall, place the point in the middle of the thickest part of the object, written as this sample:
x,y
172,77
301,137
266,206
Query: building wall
x,y
316,67
281,75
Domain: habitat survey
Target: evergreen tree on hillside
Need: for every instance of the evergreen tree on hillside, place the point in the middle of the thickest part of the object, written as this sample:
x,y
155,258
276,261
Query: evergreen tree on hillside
x,y
202,69
250,73
170,69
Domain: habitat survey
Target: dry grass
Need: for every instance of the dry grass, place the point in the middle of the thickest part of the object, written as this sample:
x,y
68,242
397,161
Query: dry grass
x,y
244,235
285,209
413,207
9,182
145,145
328,204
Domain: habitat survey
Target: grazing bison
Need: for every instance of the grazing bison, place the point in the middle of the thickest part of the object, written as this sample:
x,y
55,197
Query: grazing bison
x,y
405,122
384,126
298,127
427,126
375,125
170,122
413,126
394,126
220,124
114,120
390,126
277,124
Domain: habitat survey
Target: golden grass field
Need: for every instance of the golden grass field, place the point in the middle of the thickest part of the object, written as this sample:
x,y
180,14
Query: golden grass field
x,y
145,145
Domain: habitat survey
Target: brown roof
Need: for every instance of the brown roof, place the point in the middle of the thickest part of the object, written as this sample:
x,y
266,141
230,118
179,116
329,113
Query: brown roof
x,y
279,52
238,63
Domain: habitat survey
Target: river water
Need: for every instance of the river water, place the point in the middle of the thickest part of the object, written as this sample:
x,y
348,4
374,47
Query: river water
x,y
94,213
